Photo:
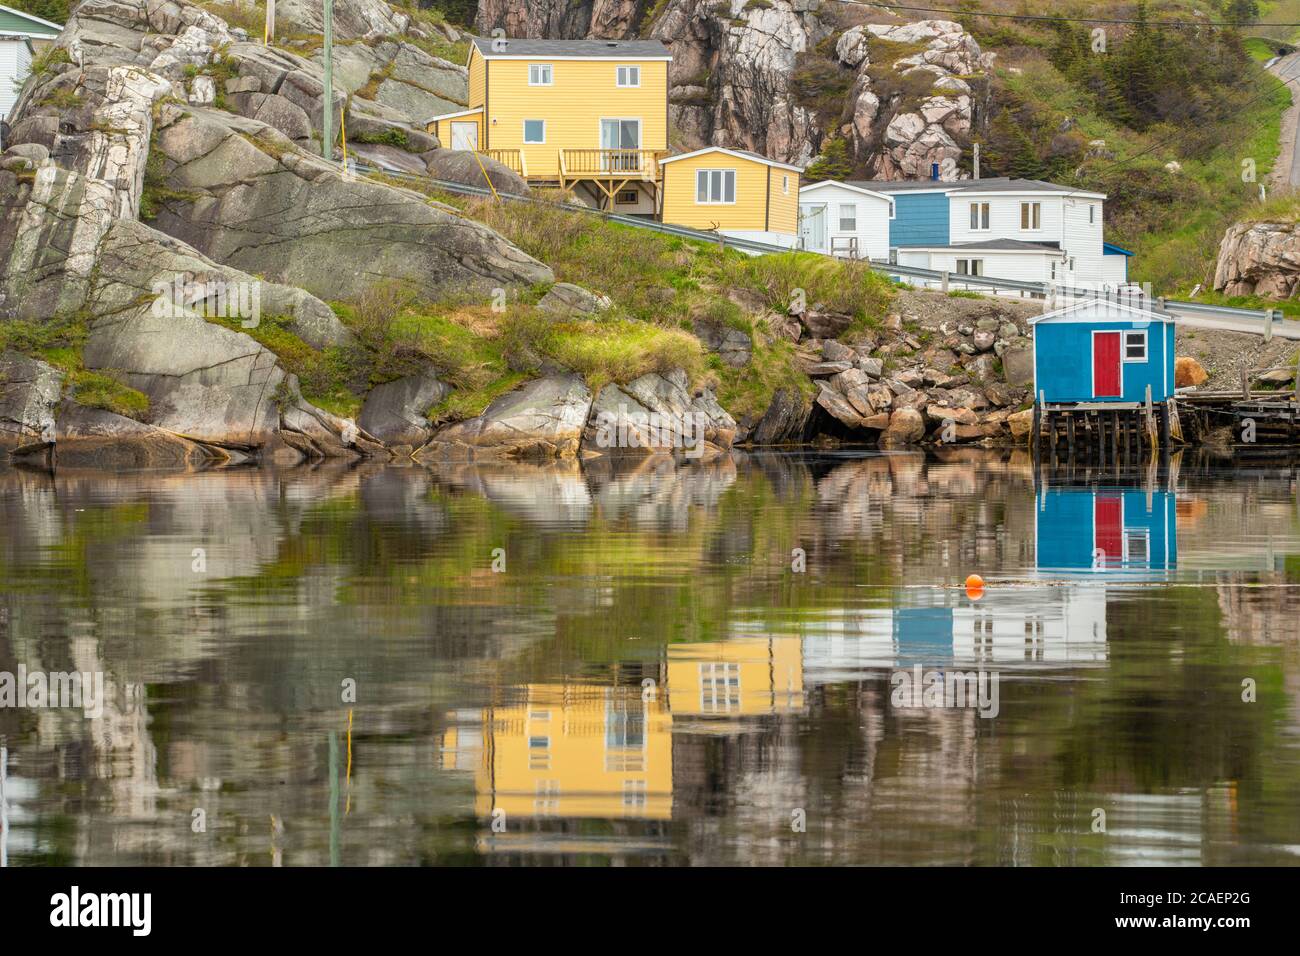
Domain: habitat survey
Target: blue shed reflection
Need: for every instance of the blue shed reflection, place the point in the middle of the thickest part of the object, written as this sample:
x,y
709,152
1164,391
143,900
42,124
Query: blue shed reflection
x,y
1106,529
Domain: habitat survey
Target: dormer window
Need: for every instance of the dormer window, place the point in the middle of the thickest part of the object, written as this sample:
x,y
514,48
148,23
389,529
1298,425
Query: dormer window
x,y
539,74
629,76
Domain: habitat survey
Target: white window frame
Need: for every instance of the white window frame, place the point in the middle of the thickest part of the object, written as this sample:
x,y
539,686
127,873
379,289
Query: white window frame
x,y
632,70
970,267
1033,212
534,142
722,190
980,217
1124,342
852,207
1092,212
785,183
535,69
893,210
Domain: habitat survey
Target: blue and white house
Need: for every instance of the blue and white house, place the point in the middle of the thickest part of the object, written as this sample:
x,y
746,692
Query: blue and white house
x,y
1023,229
1103,352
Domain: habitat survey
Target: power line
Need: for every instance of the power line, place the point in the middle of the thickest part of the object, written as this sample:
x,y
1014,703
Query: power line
x,y
951,11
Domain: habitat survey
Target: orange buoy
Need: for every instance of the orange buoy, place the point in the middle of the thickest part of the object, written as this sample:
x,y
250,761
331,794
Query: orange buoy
x,y
974,587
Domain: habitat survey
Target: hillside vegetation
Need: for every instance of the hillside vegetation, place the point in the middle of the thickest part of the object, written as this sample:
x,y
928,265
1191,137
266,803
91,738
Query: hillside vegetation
x,y
1177,124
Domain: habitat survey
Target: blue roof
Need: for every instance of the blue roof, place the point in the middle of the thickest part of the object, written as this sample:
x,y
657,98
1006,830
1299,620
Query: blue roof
x,y
1110,249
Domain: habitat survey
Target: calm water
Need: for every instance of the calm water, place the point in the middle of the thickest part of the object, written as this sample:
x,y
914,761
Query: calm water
x,y
647,680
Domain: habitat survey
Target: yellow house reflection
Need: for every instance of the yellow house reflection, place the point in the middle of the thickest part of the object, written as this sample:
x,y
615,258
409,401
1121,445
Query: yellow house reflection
x,y
573,750
744,677
580,750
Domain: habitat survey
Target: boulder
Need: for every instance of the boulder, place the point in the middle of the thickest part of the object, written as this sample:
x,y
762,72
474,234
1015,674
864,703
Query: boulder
x,y
838,406
733,346
1018,363
463,166
256,202
1188,372
906,427
1259,258
94,438
204,381
1021,424
395,412
565,298
29,393
826,325
784,421
542,418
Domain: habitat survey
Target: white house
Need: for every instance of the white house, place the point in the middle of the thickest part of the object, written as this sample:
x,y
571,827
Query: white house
x,y
844,219
21,34
15,63
1022,229
1029,211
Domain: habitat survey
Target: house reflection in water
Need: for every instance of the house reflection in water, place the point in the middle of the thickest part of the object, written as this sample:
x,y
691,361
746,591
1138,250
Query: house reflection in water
x,y
570,750
587,751
1106,529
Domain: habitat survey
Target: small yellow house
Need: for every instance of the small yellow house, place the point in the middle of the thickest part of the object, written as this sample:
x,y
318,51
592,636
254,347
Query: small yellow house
x,y
589,116
733,191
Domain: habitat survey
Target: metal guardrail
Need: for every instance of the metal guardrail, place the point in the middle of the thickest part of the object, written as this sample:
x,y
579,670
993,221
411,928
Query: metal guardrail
x,y
1044,289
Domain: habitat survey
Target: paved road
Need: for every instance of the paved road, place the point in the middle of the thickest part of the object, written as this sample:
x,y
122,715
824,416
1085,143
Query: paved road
x,y
1285,328
1287,170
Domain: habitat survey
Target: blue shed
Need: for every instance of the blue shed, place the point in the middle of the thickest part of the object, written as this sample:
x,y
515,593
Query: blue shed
x,y
1103,352
1106,529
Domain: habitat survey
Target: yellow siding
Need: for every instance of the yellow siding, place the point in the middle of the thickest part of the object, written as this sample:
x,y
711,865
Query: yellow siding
x,y
783,210
567,753
740,677
749,209
442,128
583,92
477,86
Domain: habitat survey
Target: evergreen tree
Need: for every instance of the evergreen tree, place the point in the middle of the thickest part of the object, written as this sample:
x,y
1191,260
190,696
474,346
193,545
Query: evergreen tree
x,y
833,163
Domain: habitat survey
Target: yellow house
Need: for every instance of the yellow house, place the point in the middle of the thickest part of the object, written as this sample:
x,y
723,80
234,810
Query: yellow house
x,y
570,750
732,191
590,116
741,677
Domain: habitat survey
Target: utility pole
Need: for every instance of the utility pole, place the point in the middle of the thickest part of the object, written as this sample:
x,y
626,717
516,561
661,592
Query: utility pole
x,y
270,22
977,150
327,122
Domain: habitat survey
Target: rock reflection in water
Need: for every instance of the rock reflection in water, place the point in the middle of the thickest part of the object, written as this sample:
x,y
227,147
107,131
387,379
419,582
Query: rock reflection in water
x,y
648,679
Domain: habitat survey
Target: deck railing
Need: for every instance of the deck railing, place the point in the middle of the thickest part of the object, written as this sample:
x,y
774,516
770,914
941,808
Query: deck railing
x,y
609,163
513,158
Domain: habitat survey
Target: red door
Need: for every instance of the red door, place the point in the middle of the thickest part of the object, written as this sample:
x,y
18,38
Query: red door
x,y
1108,529
1105,365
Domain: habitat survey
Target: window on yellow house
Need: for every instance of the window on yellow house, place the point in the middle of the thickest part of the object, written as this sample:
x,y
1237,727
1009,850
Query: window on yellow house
x,y
534,131
539,74
629,76
715,186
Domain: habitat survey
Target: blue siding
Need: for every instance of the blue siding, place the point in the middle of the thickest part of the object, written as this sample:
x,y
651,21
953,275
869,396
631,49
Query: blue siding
x,y
919,220
1066,532
1063,361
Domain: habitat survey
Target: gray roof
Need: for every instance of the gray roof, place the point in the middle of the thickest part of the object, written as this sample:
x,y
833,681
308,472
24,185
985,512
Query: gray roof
x,y
991,184
898,185
632,49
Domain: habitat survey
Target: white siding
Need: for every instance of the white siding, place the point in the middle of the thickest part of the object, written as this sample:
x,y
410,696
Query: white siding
x,y
872,230
1004,218
15,61
1082,240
